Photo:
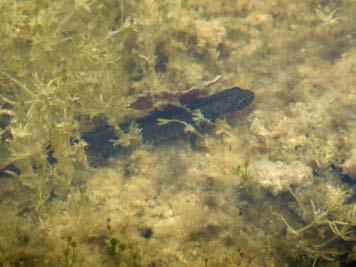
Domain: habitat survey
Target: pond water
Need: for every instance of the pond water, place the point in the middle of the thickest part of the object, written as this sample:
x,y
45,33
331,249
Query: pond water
x,y
122,143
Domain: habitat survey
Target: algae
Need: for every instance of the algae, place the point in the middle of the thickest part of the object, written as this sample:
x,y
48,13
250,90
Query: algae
x,y
258,192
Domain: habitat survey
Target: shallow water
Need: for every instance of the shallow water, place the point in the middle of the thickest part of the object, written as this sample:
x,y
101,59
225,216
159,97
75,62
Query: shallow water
x,y
271,185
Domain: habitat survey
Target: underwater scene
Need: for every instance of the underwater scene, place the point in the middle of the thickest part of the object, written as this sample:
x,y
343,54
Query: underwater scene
x,y
178,133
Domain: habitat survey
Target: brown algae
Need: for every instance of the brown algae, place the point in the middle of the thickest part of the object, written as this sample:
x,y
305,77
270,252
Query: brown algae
x,y
260,190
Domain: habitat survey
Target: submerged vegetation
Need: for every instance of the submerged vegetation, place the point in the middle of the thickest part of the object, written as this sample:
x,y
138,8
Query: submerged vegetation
x,y
259,190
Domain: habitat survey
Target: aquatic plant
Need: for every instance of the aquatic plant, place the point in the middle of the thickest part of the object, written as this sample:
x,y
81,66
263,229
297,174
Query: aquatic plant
x,y
327,16
242,171
321,237
70,66
70,257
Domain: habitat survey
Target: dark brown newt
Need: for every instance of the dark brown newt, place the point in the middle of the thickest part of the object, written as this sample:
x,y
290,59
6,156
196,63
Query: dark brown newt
x,y
177,117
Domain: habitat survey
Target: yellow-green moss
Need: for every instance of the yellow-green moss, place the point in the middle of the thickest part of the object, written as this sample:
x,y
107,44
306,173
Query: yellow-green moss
x,y
67,66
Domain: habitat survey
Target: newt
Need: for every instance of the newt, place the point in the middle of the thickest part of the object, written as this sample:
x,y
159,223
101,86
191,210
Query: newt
x,y
198,112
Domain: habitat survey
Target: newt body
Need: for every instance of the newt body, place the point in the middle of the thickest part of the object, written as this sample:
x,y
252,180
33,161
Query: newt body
x,y
100,141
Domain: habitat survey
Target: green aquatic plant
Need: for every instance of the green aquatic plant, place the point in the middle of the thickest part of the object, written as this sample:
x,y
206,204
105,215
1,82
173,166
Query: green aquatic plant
x,y
119,249
70,256
113,246
319,239
116,247
242,171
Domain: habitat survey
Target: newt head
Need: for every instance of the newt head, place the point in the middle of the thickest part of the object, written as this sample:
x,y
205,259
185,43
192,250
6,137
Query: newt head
x,y
237,99
224,102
